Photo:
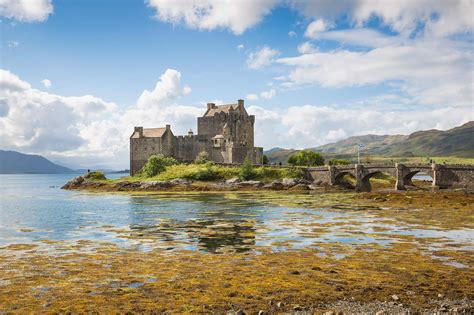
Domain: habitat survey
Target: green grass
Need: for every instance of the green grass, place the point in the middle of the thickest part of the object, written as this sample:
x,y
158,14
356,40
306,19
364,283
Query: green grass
x,y
212,172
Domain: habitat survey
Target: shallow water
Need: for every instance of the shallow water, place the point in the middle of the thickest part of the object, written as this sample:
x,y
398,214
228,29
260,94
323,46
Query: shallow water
x,y
34,210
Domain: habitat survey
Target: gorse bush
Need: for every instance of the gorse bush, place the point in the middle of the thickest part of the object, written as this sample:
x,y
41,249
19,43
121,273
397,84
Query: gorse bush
x,y
247,171
306,158
157,164
97,175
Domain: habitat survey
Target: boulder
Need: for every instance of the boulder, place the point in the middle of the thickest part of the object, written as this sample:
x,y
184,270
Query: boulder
x,y
74,183
180,181
232,181
250,183
155,185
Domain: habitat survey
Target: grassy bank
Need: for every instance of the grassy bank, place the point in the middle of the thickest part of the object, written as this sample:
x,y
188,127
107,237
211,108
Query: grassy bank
x,y
213,172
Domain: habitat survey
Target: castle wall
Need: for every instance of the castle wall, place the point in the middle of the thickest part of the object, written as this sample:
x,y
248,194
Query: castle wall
x,y
236,143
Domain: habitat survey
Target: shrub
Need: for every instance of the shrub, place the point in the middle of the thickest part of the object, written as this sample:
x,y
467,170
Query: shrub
x,y
202,157
339,162
157,164
306,158
97,175
208,172
247,171
292,172
265,160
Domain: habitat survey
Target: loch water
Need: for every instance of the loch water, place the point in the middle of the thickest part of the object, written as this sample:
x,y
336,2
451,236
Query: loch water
x,y
34,210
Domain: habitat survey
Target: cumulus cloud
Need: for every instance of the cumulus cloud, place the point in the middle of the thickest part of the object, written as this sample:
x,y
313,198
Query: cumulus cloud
x,y
86,128
292,34
13,44
317,27
26,10
262,57
306,48
268,94
432,72
237,16
46,83
251,97
311,125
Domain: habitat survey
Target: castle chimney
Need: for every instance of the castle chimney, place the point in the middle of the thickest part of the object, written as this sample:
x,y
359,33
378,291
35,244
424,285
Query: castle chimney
x,y
240,103
190,132
140,131
210,105
168,127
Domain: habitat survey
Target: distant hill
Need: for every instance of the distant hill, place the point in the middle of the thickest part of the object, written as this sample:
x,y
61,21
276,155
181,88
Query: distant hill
x,y
12,162
458,142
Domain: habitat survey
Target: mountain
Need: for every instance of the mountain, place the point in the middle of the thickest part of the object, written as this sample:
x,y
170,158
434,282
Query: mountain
x,y
458,142
12,162
373,143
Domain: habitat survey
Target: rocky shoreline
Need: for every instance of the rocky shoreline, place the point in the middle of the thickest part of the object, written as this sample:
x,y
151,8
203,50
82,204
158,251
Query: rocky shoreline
x,y
82,183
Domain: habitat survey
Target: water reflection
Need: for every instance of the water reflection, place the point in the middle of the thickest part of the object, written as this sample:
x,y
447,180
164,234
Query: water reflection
x,y
32,212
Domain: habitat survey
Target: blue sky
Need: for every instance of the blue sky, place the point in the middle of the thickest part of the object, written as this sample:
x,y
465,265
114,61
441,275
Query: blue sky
x,y
78,75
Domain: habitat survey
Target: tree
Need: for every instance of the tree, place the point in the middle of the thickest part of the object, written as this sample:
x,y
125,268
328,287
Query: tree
x,y
157,164
265,159
306,158
339,162
246,170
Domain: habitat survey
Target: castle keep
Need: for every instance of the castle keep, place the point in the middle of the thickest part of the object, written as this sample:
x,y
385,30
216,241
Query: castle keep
x,y
225,132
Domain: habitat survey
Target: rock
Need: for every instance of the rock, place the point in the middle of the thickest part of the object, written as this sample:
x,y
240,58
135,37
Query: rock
x,y
289,182
295,272
250,183
381,313
297,308
277,185
74,183
240,312
300,187
155,185
280,304
395,297
261,312
232,181
441,295
180,181
329,313
312,187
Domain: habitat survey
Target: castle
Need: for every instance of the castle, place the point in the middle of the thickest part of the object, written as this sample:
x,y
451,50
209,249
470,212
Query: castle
x,y
225,133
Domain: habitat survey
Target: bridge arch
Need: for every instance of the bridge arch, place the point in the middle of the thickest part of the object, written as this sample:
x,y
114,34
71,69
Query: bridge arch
x,y
364,180
339,178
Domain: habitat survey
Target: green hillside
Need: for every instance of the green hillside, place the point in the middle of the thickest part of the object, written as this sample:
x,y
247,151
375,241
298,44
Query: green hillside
x,y
457,142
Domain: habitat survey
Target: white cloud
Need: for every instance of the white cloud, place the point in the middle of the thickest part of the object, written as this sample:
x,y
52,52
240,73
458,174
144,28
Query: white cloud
x,y
306,48
310,125
292,34
46,83
13,44
86,128
432,72
268,94
237,16
26,10
262,57
316,27
251,97
240,46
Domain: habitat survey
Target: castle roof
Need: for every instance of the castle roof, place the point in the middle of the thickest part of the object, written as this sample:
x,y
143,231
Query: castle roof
x,y
150,133
221,108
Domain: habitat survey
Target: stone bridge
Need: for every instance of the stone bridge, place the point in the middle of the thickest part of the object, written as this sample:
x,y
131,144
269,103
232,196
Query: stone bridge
x,y
444,176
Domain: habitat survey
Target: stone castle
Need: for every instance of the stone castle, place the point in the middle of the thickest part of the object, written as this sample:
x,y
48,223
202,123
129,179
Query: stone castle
x,y
224,132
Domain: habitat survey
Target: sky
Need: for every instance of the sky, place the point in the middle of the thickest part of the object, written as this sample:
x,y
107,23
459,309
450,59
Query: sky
x,y
77,76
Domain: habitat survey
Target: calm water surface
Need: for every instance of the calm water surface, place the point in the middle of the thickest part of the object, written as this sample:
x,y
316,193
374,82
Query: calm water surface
x,y
33,209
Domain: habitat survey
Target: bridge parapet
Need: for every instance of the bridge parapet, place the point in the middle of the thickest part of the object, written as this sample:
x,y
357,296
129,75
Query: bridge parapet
x,y
444,175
